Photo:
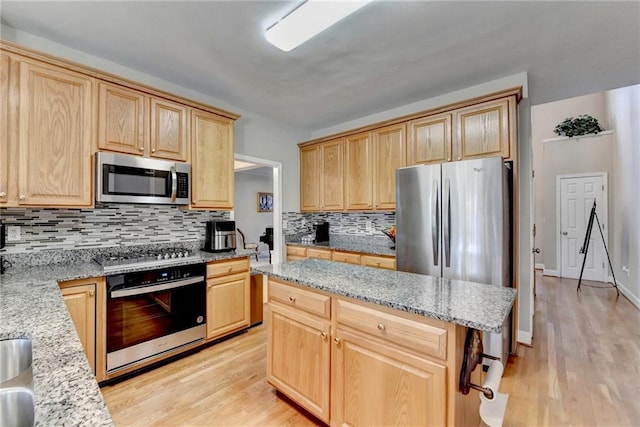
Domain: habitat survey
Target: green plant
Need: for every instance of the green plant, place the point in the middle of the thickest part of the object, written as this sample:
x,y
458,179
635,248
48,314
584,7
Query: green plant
x,y
581,125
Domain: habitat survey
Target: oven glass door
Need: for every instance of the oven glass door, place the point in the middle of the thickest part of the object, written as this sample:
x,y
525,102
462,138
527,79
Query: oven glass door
x,y
141,314
131,181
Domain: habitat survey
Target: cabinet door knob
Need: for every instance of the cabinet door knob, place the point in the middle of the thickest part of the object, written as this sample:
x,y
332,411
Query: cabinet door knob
x,y
91,293
337,340
292,299
448,159
324,336
153,151
141,148
381,327
22,197
3,194
459,158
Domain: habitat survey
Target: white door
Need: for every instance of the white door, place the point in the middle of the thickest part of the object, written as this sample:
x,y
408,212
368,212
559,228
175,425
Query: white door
x,y
576,200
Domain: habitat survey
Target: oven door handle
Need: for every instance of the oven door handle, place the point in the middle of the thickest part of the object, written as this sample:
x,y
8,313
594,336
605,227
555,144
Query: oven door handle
x,y
155,288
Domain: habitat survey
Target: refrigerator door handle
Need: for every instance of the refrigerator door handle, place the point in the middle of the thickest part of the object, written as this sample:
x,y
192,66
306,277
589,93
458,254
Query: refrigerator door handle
x,y
446,214
435,221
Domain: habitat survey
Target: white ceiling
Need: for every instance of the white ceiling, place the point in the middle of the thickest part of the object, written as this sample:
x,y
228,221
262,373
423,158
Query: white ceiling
x,y
388,54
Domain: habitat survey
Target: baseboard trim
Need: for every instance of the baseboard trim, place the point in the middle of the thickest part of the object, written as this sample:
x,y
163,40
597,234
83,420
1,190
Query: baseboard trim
x,y
629,295
539,266
552,273
524,338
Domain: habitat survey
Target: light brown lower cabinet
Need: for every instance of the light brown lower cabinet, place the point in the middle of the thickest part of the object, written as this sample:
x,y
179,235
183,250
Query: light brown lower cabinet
x,y
86,304
295,253
228,297
375,383
365,365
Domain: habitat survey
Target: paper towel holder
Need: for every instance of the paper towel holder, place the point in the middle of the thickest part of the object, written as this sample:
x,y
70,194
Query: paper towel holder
x,y
473,354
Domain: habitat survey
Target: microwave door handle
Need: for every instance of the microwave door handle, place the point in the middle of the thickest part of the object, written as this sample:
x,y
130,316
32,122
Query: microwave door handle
x,y
156,288
174,184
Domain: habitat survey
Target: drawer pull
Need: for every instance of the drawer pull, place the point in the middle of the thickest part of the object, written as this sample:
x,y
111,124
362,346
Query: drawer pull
x,y
230,269
22,197
381,327
337,340
292,299
378,263
3,194
324,335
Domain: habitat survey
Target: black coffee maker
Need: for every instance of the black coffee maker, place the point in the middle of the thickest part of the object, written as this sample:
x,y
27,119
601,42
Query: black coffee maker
x,y
321,230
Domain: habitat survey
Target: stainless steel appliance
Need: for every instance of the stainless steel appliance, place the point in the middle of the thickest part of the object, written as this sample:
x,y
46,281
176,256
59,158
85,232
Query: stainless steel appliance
x,y
220,236
453,220
151,259
321,231
153,312
132,179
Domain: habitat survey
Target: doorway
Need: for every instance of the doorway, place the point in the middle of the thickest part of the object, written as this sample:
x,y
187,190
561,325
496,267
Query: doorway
x,y
576,194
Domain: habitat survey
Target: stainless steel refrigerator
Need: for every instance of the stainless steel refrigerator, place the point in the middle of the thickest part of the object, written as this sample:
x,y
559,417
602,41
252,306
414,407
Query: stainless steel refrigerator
x,y
453,221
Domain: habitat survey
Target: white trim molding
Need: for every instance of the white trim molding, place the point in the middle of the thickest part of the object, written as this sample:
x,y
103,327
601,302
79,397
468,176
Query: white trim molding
x,y
552,273
525,338
539,266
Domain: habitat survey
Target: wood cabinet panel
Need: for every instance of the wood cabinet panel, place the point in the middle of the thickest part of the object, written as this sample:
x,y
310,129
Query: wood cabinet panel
x,y
376,261
310,178
222,268
296,251
483,130
389,154
405,389
4,128
299,358
228,307
347,257
319,253
122,120
295,257
430,140
311,302
211,161
55,136
169,130
358,172
81,303
416,336
332,175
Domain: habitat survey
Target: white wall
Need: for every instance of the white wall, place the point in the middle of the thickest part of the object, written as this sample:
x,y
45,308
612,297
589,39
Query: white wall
x,y
248,219
544,119
255,135
623,107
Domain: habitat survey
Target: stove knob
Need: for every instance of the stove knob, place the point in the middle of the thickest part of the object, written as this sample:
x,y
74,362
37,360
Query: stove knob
x,y
167,256
180,254
186,253
174,255
159,257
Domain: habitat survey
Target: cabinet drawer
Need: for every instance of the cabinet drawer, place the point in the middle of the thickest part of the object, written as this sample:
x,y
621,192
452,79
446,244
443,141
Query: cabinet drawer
x,y
416,336
221,268
311,302
319,253
379,262
346,257
295,257
296,251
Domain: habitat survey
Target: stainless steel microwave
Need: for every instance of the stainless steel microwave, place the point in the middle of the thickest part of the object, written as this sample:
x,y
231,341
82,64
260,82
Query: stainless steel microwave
x,y
130,179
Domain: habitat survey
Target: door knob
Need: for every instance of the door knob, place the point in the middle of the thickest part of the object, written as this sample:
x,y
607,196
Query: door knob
x,y
535,250
564,233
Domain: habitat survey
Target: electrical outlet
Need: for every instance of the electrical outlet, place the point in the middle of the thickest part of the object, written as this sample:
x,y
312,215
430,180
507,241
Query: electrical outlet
x,y
369,226
13,233
626,270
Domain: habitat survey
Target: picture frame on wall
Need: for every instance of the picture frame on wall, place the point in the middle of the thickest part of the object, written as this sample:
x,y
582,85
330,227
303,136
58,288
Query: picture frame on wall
x,y
265,202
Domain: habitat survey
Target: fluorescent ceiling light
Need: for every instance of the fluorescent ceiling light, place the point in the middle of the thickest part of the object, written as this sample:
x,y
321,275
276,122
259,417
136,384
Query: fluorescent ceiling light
x,y
309,19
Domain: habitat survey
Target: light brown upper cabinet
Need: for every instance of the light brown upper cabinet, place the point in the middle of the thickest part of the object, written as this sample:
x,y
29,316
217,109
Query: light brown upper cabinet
x,y
430,140
321,176
123,123
359,171
388,155
169,130
55,139
211,161
4,128
483,130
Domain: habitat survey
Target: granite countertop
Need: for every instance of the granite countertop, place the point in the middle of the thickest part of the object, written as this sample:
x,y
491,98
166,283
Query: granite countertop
x,y
66,391
475,305
366,248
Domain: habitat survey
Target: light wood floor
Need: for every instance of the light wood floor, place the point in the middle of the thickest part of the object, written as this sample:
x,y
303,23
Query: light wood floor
x,y
583,370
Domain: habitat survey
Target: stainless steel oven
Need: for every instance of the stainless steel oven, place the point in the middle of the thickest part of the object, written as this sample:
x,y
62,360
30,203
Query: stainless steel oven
x,y
132,179
152,312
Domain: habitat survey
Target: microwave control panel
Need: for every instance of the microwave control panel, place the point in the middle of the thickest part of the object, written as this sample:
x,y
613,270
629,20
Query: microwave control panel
x,y
183,186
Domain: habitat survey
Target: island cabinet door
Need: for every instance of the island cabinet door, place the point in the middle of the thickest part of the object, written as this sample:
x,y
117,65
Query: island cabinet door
x,y
298,355
379,384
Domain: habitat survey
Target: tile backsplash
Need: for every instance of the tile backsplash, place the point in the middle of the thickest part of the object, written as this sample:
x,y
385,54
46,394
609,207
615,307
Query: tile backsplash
x,y
347,223
104,226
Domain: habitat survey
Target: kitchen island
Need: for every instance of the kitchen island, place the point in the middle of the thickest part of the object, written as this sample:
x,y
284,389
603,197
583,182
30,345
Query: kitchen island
x,y
360,346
